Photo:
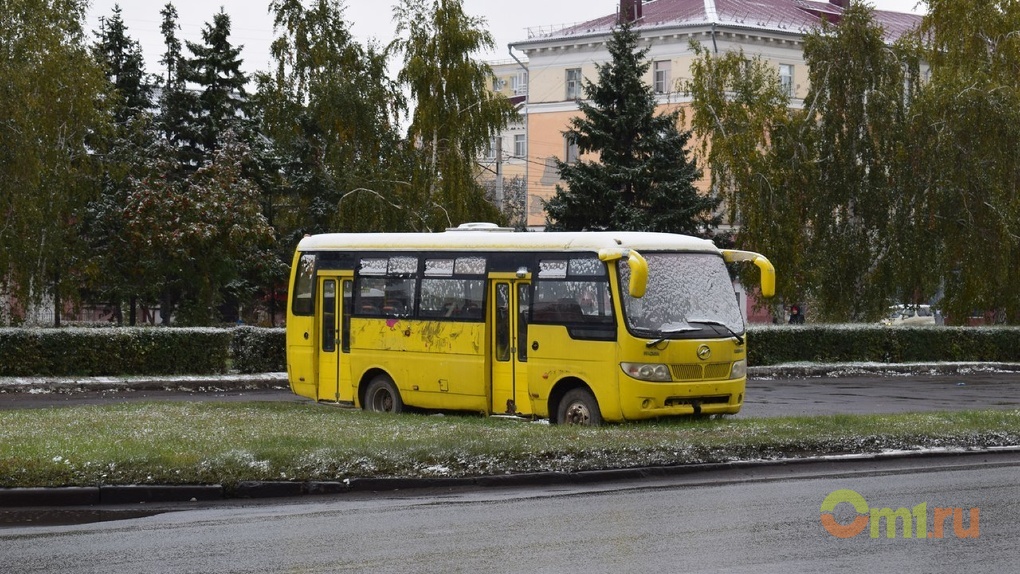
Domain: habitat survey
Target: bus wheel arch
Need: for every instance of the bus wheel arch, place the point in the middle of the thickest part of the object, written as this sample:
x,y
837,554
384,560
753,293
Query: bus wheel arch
x,y
381,394
573,402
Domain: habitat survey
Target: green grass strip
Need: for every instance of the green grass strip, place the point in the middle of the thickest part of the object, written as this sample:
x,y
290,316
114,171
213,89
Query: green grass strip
x,y
224,443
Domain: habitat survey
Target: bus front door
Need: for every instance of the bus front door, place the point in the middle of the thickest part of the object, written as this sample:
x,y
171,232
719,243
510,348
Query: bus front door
x,y
333,320
510,304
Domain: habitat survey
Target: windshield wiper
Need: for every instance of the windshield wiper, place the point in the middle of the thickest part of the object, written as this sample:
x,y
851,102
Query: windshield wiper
x,y
666,334
740,339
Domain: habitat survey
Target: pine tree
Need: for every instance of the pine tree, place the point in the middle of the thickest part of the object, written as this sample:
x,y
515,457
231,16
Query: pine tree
x,y
215,71
173,120
644,178
122,59
114,273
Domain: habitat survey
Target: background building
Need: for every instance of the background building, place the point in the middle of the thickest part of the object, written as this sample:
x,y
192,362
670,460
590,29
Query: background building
x,y
549,67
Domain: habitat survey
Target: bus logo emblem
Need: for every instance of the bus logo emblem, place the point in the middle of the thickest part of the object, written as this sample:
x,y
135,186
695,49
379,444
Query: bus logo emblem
x,y
704,352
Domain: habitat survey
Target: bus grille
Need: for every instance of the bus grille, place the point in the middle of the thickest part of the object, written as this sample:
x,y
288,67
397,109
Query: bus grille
x,y
696,372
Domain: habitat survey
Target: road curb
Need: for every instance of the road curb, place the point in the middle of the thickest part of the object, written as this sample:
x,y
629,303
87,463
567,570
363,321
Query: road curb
x,y
12,499
210,383
839,370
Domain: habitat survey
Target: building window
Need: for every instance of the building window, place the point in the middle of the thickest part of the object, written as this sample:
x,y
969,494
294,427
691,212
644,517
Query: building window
x,y
490,152
661,77
519,84
571,154
786,79
573,83
520,146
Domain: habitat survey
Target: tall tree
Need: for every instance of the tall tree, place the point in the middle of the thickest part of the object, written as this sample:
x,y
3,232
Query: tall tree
x,y
644,177
966,132
760,157
52,94
215,72
214,239
122,60
857,106
173,119
455,113
114,276
331,113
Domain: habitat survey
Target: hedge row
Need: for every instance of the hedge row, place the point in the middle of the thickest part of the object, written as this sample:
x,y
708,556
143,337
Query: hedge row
x,y
773,345
139,351
172,351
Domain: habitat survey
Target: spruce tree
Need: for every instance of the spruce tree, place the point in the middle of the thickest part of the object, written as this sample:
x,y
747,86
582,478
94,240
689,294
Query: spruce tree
x,y
113,271
121,57
644,178
175,101
215,72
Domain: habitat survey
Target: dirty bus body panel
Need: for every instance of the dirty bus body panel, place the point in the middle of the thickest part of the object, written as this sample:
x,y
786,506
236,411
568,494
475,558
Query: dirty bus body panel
x,y
575,327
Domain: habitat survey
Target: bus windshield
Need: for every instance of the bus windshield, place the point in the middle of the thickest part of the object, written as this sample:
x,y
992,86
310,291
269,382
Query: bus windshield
x,y
687,293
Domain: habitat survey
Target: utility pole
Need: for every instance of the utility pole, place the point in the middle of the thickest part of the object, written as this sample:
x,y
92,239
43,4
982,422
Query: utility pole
x,y
499,172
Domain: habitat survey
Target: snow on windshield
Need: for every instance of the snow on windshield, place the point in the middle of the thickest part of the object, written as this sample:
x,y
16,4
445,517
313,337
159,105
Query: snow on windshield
x,y
682,288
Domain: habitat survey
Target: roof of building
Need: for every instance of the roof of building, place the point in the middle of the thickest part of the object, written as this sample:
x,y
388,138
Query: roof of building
x,y
778,16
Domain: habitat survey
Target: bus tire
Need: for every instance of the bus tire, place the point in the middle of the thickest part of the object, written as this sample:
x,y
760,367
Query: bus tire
x,y
382,396
579,407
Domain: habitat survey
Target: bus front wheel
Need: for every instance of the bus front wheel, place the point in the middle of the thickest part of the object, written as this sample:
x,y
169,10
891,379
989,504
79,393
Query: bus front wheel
x,y
579,407
382,396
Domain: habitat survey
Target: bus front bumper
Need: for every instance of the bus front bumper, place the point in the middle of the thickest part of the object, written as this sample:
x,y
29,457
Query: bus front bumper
x,y
644,400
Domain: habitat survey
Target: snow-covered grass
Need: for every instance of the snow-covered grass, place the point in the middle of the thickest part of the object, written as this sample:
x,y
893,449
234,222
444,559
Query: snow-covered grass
x,y
225,443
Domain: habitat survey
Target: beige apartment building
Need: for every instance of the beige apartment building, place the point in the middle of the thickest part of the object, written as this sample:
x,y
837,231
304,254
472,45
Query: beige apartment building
x,y
544,73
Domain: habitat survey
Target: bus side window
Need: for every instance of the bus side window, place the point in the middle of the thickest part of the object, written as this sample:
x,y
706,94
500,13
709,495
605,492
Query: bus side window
x,y
345,327
523,306
304,286
329,315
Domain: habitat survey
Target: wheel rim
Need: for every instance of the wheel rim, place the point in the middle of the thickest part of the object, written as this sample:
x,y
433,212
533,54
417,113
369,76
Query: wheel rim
x,y
382,401
578,414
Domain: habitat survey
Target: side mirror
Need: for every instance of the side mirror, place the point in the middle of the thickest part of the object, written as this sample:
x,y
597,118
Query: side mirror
x,y
638,269
768,272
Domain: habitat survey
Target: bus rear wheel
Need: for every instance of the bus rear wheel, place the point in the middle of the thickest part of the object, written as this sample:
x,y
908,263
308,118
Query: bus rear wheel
x,y
579,407
382,396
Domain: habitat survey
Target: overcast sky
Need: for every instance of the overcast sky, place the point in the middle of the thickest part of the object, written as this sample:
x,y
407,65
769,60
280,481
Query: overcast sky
x,y
252,27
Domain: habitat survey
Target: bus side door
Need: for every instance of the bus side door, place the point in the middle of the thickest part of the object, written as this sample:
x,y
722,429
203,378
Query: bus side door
x,y
333,319
509,381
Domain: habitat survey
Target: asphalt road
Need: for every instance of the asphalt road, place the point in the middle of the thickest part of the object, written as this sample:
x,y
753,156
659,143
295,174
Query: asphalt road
x,y
875,394
750,520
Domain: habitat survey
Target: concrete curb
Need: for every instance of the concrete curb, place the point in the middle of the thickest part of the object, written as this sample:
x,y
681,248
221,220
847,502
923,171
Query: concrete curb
x,y
194,383
13,499
835,370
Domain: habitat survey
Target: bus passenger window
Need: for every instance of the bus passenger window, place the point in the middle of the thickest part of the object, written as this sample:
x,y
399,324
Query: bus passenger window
x,y
304,283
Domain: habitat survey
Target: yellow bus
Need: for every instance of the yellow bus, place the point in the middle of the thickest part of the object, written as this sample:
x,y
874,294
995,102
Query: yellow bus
x,y
578,328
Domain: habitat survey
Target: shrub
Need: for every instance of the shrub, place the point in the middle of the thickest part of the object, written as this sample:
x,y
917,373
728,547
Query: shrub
x,y
772,345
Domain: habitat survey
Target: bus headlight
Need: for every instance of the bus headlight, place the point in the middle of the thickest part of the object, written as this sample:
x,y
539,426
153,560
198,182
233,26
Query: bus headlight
x,y
647,371
739,369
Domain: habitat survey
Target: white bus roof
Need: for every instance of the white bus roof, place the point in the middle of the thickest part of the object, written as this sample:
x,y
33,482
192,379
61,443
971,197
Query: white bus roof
x,y
495,239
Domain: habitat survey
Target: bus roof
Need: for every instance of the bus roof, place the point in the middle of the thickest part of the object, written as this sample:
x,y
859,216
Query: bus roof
x,y
498,239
